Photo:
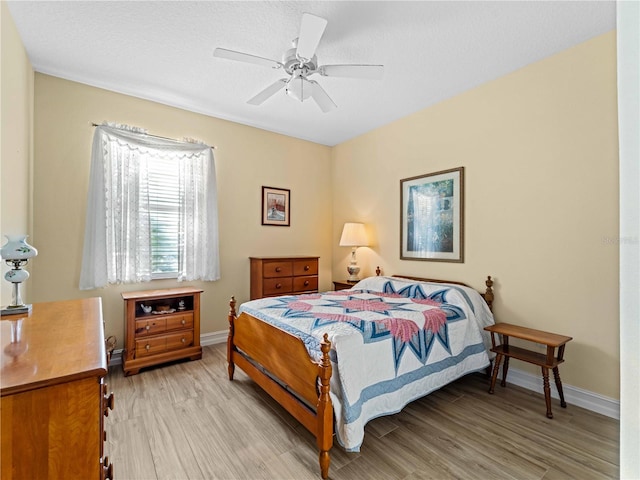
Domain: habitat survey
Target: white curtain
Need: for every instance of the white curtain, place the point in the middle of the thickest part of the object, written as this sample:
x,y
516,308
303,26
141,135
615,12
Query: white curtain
x,y
628,44
117,245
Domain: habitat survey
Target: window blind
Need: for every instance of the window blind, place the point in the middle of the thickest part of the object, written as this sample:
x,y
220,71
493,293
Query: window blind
x,y
164,216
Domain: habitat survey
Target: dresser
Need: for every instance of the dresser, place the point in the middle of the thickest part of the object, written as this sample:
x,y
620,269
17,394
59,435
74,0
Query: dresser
x,y
53,394
161,326
273,276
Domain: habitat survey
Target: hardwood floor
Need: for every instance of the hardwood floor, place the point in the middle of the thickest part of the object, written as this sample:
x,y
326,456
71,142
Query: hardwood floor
x,y
188,421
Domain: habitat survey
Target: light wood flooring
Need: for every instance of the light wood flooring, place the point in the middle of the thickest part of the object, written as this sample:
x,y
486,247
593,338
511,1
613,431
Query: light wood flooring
x,y
188,421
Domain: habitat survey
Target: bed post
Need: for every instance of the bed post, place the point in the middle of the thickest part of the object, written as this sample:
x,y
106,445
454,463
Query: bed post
x,y
324,435
230,345
488,294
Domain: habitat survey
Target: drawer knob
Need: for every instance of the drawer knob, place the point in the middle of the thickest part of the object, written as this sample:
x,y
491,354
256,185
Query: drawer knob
x,y
306,268
278,285
107,469
109,401
147,346
148,327
183,322
278,269
183,340
306,283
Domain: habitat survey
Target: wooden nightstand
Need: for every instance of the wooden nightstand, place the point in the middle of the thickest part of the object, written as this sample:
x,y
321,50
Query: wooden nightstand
x,y
546,361
343,285
169,331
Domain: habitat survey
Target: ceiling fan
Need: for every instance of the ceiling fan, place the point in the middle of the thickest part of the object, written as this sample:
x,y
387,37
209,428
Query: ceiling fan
x,y
299,63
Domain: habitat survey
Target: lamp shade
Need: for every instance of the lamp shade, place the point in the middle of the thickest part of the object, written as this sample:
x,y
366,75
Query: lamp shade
x,y
17,248
354,235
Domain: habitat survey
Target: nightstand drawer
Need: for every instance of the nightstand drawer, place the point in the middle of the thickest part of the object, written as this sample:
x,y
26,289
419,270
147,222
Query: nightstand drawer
x,y
180,321
149,326
180,340
150,346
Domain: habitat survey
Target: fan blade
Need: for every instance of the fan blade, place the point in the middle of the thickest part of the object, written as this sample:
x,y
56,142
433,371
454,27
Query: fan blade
x,y
245,57
373,72
268,92
311,30
320,96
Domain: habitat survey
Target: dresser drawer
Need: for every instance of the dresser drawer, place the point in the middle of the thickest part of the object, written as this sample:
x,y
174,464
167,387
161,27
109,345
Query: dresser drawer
x,y
175,322
303,284
305,267
277,269
149,326
277,286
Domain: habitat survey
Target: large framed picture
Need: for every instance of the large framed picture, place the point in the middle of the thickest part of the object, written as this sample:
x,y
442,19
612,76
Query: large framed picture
x,y
432,216
275,206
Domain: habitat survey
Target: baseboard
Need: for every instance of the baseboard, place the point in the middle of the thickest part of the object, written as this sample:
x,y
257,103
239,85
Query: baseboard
x,y
573,395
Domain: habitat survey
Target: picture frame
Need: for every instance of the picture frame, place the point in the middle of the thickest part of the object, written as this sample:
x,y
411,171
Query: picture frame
x,y
432,216
276,203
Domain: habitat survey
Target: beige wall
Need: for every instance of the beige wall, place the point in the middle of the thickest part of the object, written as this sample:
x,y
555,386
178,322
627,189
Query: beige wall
x,y
246,159
540,151
539,147
16,117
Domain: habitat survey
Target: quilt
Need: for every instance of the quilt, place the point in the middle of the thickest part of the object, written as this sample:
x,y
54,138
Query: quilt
x,y
393,341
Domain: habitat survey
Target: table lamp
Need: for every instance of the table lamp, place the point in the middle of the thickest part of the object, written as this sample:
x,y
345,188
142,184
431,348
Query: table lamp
x,y
354,236
16,253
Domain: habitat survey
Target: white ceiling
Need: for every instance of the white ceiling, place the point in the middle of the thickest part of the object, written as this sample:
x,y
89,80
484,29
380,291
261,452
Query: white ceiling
x,y
162,51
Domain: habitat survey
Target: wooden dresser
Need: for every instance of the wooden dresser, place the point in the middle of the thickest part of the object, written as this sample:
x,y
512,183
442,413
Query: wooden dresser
x,y
168,330
273,276
53,394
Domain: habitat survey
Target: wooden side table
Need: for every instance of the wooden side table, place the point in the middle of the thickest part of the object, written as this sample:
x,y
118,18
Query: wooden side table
x,y
343,285
546,362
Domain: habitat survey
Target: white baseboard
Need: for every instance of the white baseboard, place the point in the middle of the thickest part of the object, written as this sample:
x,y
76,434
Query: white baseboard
x,y
572,395
214,338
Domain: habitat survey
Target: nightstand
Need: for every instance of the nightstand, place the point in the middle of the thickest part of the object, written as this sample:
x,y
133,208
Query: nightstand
x,y
343,285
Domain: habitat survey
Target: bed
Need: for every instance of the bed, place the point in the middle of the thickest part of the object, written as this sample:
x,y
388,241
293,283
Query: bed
x,y
336,360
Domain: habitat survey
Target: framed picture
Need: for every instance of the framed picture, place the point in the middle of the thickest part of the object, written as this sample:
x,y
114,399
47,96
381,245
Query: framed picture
x,y
275,206
432,216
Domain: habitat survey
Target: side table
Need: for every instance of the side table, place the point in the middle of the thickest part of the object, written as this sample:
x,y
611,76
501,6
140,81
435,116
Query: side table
x,y
343,285
546,361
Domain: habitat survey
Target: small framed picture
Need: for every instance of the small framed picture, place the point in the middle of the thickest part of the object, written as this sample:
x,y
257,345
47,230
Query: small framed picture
x,y
275,206
432,216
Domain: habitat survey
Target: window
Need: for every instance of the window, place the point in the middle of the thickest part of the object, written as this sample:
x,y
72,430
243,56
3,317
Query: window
x,y
165,198
151,211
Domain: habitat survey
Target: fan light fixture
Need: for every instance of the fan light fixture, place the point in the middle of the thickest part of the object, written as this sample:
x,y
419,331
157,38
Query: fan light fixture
x,y
299,87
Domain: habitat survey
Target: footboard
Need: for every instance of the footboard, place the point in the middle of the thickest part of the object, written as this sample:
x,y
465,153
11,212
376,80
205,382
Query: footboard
x,y
266,353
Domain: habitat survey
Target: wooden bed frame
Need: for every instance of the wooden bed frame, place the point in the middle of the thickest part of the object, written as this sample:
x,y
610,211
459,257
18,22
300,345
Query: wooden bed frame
x,y
279,362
